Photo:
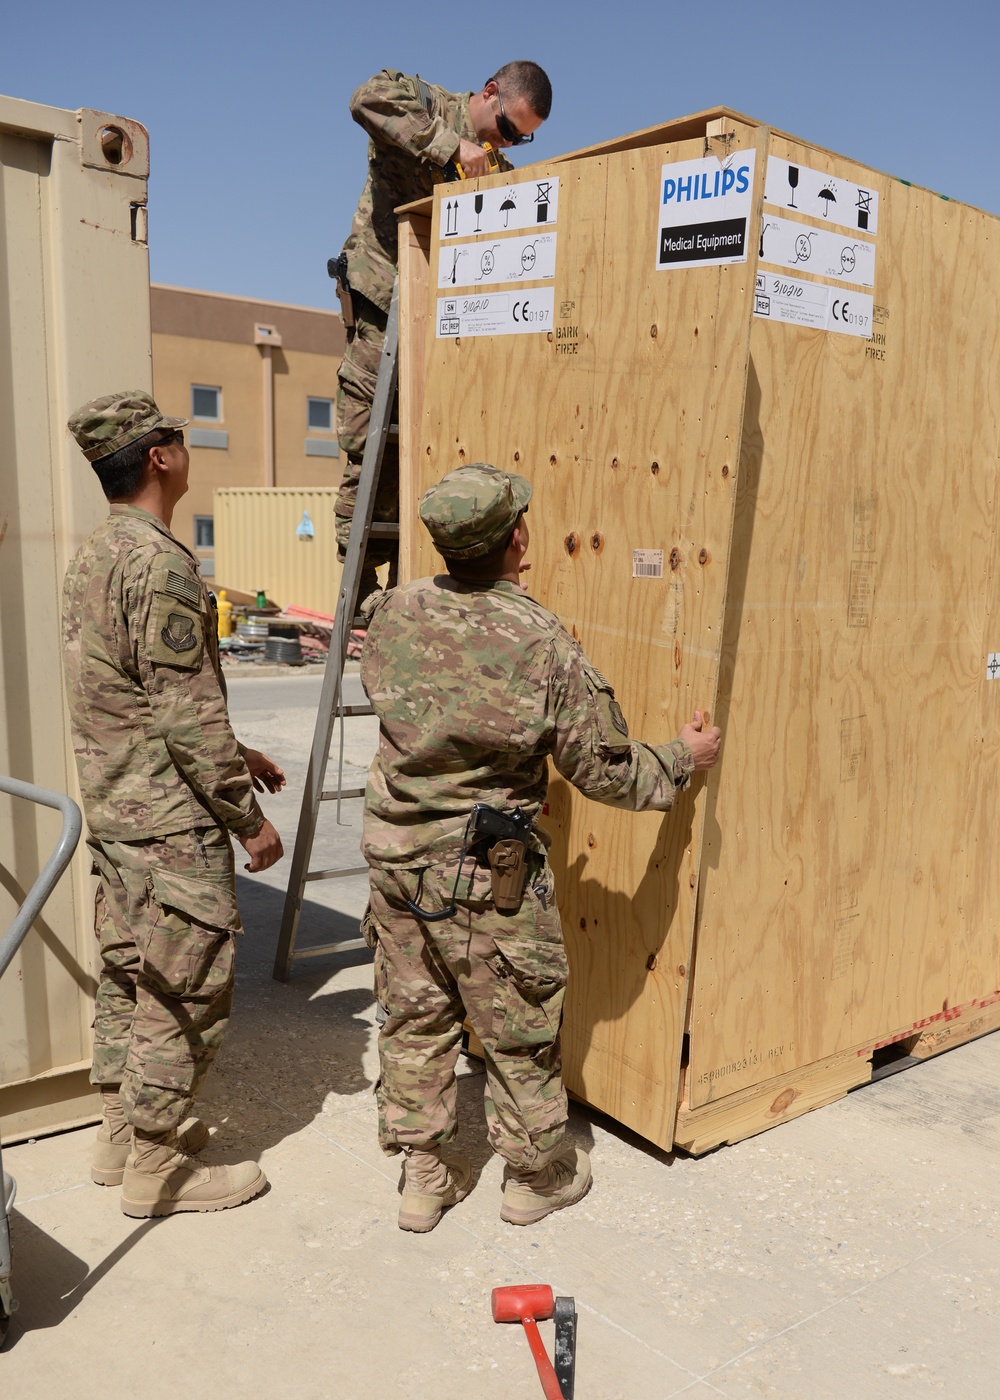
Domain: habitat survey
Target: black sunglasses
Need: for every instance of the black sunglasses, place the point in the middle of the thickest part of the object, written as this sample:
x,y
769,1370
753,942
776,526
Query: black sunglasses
x,y
177,437
507,130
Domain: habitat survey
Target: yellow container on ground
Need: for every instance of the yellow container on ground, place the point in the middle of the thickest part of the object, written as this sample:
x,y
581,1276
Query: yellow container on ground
x,y
257,547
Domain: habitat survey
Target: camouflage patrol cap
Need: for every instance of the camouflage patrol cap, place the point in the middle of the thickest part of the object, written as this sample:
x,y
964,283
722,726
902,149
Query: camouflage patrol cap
x,y
110,423
470,511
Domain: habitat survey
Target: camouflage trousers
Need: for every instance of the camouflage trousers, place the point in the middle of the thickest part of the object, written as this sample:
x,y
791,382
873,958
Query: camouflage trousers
x,y
166,920
355,392
507,972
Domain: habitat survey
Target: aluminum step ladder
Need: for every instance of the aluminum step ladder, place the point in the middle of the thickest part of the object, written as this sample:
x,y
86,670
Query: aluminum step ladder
x,y
331,706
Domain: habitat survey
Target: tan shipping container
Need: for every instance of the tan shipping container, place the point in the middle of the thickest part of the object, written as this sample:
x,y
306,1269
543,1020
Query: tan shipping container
x,y
256,545
763,437
74,323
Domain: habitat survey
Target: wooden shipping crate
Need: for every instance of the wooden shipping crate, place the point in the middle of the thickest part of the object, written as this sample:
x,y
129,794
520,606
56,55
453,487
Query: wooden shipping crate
x,y
756,388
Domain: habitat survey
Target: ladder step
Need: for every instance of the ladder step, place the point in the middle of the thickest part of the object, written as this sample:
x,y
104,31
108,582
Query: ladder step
x,y
349,945
336,874
382,428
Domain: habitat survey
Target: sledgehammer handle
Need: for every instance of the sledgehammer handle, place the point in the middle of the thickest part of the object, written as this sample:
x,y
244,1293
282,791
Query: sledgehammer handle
x,y
547,1376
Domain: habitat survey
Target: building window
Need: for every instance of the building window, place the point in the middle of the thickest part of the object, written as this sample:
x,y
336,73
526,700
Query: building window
x,y
206,402
319,415
204,532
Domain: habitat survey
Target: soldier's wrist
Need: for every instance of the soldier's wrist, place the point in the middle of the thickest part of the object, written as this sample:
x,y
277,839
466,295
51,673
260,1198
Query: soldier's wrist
x,y
684,754
250,826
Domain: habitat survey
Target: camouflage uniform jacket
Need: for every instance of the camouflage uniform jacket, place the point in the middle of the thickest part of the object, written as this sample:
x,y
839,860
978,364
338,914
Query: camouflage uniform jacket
x,y
154,747
475,686
405,141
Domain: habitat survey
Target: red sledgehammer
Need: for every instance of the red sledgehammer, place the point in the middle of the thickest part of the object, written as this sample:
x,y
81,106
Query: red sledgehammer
x,y
527,1303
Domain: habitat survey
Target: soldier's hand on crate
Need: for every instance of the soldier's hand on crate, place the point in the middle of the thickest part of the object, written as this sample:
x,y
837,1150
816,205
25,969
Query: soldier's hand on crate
x,y
263,849
705,743
264,771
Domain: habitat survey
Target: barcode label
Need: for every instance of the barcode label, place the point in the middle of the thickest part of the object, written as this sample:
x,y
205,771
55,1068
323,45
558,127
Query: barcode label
x,y
647,563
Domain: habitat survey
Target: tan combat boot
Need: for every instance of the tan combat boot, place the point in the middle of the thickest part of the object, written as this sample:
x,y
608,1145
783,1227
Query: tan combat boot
x,y
160,1180
114,1140
432,1180
530,1196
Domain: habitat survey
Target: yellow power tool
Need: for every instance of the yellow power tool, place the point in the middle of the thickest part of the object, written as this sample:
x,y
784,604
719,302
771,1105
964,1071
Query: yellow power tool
x,y
443,174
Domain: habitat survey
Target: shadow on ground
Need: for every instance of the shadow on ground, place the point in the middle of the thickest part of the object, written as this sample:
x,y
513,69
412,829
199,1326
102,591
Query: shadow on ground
x,y
303,1051
49,1280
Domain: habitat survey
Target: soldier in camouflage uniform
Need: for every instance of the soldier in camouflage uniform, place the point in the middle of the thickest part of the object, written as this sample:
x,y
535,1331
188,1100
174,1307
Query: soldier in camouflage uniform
x,y
476,686
413,126
164,783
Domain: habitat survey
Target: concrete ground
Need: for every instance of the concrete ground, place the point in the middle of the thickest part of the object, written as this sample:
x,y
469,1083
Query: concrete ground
x,y
852,1254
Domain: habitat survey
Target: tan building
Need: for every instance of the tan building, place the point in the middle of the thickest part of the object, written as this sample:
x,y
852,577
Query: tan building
x,y
258,381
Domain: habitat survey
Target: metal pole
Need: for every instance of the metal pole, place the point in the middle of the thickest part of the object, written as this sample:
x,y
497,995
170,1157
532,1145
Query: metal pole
x,y
267,363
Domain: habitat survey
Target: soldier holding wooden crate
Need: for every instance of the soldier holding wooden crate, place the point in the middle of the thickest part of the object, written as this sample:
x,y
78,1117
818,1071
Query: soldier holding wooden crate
x,y
476,686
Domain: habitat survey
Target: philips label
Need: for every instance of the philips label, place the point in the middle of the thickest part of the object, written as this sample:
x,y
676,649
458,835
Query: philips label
x,y
705,211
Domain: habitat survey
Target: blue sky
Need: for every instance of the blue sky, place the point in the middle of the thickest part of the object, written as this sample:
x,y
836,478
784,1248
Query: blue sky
x,y
256,164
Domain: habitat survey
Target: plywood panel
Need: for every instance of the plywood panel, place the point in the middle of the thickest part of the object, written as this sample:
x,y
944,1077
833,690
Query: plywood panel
x,y
849,885
627,419
415,298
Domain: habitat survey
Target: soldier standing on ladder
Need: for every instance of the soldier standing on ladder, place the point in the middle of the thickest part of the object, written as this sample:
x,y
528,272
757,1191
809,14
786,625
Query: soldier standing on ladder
x,y
413,126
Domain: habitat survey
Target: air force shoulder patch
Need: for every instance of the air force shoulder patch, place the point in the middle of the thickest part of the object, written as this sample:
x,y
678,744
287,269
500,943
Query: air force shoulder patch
x,y
178,633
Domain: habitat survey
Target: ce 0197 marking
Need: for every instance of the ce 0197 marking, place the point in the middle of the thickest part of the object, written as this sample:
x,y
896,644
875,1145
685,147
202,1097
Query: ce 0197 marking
x,y
529,314
840,310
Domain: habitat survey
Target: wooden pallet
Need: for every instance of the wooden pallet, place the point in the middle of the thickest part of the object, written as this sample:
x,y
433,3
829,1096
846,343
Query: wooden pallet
x,y
753,1110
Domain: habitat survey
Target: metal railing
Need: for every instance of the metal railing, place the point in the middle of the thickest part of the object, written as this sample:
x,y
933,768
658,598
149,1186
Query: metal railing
x,y
48,878
72,825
